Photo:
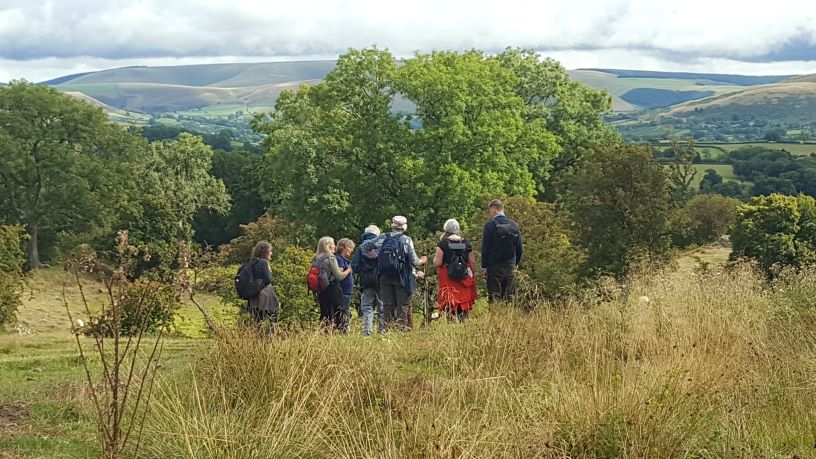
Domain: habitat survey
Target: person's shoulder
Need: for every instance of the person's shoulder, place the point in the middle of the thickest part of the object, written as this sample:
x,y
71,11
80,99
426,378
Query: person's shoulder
x,y
443,243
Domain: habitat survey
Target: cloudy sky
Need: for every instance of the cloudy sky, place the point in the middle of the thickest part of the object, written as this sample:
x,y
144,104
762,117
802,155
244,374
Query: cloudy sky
x,y
46,39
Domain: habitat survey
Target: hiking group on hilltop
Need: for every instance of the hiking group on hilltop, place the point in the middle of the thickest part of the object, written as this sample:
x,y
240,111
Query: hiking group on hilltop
x,y
384,269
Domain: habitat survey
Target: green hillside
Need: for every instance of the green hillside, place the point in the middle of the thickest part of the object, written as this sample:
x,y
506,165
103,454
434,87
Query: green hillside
x,y
647,105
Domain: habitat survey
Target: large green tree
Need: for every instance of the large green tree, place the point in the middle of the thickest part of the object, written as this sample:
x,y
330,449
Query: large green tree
x,y
338,156
475,137
620,203
570,110
63,164
426,139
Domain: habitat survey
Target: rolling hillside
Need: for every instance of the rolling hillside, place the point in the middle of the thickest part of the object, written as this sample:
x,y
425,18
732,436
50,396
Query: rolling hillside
x,y
647,105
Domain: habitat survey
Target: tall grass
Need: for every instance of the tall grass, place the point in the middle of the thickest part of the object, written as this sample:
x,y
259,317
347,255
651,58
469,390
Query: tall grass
x,y
710,366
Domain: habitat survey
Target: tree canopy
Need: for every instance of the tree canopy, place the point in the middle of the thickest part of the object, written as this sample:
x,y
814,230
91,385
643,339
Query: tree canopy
x,y
427,138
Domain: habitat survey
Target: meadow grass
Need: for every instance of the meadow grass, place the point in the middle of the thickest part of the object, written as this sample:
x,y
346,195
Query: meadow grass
x,y
711,365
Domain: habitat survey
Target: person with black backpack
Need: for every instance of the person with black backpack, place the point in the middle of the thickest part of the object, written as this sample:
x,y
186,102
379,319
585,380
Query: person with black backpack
x,y
365,269
455,263
396,259
502,250
254,284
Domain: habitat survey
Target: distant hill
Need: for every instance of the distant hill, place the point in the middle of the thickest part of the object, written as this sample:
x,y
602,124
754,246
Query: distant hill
x,y
740,80
647,104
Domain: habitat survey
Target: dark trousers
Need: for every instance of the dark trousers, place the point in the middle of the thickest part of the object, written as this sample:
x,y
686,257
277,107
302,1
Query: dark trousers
x,y
500,283
396,302
261,316
331,306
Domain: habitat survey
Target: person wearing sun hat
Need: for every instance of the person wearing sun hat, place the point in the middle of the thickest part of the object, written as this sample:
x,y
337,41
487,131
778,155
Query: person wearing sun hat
x,y
396,260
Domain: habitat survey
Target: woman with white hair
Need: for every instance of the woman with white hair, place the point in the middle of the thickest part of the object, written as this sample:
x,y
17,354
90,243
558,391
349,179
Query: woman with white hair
x,y
331,298
455,261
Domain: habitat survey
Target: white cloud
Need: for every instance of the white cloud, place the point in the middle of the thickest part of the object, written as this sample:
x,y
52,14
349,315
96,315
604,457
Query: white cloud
x,y
43,39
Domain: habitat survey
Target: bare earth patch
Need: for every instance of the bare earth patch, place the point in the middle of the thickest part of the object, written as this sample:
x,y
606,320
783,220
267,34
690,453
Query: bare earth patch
x,y
10,417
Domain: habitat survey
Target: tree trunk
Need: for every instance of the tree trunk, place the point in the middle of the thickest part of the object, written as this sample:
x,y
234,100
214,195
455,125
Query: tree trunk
x,y
33,251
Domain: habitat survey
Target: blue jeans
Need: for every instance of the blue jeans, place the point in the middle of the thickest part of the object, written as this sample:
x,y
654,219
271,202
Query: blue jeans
x,y
368,297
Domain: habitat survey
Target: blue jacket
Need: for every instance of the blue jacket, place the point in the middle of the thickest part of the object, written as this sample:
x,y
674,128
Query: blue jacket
x,y
407,280
489,242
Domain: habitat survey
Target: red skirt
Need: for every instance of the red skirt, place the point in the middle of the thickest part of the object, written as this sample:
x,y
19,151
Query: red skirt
x,y
457,294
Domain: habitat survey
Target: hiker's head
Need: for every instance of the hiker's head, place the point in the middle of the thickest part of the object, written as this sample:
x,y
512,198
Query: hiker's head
x,y
399,224
325,246
373,229
451,227
495,207
263,250
344,247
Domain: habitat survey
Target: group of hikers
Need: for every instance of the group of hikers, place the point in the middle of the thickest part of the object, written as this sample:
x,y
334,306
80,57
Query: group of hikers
x,y
384,267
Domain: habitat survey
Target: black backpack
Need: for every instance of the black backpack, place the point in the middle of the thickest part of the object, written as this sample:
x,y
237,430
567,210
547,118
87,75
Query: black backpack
x,y
369,274
507,234
457,266
390,259
246,286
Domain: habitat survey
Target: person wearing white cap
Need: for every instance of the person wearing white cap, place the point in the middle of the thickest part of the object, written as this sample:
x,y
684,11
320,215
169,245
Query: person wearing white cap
x,y
396,260
365,268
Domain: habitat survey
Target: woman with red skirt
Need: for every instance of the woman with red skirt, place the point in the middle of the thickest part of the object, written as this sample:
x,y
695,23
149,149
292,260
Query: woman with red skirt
x,y
455,262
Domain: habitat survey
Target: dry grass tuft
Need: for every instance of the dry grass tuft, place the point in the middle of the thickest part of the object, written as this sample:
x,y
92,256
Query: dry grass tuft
x,y
710,365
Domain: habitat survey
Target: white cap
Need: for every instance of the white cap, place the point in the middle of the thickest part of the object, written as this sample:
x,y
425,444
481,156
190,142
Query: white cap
x,y
373,229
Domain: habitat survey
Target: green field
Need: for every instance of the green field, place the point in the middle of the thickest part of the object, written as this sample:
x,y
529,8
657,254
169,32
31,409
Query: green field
x,y
796,149
726,171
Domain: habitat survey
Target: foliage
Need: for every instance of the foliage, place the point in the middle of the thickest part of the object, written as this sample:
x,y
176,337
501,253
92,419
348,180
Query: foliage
x,y
552,259
345,153
290,261
289,268
776,231
703,220
12,258
65,168
682,172
240,173
711,179
276,231
619,201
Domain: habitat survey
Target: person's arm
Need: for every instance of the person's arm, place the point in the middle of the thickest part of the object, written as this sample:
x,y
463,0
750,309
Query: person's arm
x,y
266,273
487,242
519,249
472,259
331,263
415,260
439,255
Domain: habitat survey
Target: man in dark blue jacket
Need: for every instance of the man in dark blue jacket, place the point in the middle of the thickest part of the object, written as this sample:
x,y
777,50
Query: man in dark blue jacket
x,y
501,252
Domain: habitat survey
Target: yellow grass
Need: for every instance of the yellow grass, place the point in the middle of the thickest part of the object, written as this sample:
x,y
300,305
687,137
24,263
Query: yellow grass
x,y
671,365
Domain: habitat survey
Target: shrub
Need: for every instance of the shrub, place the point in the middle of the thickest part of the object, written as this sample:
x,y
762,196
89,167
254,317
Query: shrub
x,y
12,258
704,219
776,231
278,232
552,261
620,202
145,306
